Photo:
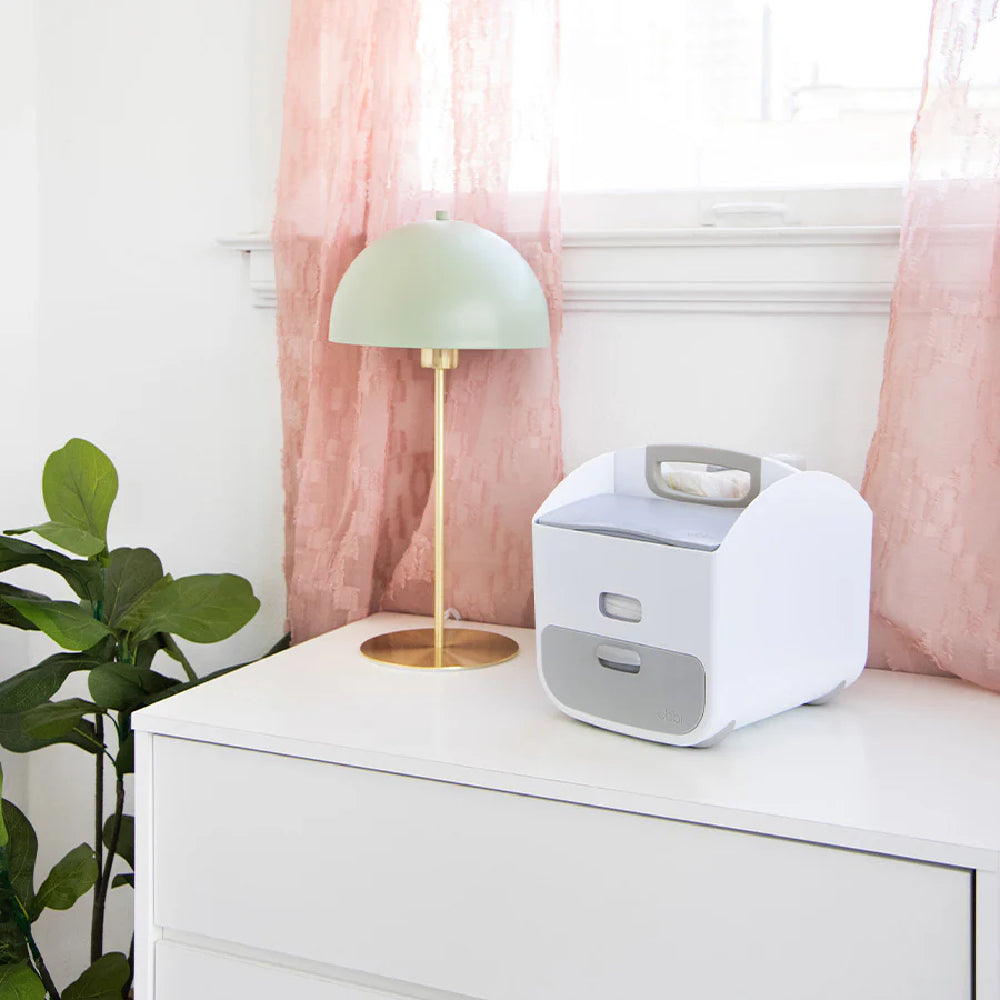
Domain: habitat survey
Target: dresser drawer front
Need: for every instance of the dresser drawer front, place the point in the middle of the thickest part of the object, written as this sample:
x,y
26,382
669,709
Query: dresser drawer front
x,y
506,897
185,973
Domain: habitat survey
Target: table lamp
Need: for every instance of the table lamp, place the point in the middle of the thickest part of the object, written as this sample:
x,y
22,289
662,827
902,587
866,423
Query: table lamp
x,y
440,286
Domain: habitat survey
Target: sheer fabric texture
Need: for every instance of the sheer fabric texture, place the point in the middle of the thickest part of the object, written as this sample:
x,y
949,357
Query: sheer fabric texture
x,y
933,476
395,108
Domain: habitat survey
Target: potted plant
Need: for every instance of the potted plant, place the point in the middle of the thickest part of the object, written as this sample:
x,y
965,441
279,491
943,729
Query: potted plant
x,y
125,613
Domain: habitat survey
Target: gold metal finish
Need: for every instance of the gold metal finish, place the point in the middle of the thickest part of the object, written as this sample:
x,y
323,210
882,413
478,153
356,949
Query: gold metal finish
x,y
464,649
439,648
439,357
439,508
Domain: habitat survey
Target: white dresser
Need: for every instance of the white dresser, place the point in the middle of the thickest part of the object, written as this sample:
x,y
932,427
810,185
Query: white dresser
x,y
320,827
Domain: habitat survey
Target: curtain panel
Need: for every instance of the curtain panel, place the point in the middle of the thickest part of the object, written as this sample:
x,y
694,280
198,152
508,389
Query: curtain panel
x,y
393,109
933,474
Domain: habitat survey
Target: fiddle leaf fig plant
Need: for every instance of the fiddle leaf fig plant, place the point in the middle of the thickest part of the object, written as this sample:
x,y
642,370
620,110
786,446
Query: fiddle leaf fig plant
x,y
123,610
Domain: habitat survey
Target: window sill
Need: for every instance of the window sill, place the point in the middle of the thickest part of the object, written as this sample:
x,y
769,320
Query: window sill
x,y
842,269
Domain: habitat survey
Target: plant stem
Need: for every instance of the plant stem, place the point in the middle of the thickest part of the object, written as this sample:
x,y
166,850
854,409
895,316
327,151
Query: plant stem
x,y
97,913
23,924
104,877
43,973
131,968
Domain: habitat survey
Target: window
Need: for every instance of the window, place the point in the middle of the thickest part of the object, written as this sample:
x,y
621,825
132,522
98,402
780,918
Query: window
x,y
669,94
739,112
713,112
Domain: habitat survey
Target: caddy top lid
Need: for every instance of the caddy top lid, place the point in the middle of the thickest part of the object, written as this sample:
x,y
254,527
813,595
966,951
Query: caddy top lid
x,y
646,519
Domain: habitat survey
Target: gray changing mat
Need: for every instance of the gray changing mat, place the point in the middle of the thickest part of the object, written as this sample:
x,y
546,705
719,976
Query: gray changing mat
x,y
647,519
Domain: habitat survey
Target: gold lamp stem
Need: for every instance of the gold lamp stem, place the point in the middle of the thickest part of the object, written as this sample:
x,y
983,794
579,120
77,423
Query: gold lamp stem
x,y
439,510
454,648
441,360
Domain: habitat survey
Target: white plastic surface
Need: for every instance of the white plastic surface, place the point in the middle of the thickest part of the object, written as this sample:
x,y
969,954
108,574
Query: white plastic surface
x,y
777,613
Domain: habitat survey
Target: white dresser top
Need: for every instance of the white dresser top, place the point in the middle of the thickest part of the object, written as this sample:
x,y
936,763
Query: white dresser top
x,y
897,764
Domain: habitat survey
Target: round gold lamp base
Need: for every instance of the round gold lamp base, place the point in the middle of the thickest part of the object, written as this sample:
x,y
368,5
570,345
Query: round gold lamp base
x,y
464,649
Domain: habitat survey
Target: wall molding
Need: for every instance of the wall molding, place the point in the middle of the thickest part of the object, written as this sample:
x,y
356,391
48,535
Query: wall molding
x,y
260,273
838,270
728,296
712,236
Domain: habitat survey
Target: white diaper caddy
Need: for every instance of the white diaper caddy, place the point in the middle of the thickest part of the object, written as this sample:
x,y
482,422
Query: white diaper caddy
x,y
679,618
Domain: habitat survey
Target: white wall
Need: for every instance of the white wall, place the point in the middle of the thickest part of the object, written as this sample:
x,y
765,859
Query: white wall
x,y
127,134
18,303
761,383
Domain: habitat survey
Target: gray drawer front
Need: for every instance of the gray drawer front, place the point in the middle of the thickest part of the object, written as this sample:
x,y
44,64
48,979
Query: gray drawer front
x,y
633,684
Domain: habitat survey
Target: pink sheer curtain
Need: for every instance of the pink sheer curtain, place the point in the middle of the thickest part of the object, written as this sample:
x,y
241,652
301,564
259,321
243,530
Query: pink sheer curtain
x,y
395,108
933,475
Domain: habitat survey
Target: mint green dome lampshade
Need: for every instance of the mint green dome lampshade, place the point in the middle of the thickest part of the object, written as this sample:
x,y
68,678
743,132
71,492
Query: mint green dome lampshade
x,y
440,284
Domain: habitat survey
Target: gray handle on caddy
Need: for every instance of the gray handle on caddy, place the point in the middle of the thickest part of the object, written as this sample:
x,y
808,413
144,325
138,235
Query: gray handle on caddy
x,y
659,453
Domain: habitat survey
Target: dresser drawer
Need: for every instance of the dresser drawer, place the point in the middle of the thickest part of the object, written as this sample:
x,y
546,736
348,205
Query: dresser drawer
x,y
196,974
505,897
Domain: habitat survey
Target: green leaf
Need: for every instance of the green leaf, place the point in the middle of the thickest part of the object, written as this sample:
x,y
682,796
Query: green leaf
x,y
285,642
13,946
123,879
70,625
203,608
134,619
69,879
10,615
102,981
20,982
122,687
143,653
66,537
37,684
16,552
282,644
84,736
4,837
22,852
79,485
126,838
124,725
54,717
84,577
130,574
170,647
125,761
48,723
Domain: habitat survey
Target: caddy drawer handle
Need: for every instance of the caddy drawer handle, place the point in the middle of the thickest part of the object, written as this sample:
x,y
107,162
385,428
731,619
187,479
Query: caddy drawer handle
x,y
617,658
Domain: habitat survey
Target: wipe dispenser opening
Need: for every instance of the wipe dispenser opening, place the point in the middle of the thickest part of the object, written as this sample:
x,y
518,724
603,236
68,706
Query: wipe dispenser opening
x,y
620,608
